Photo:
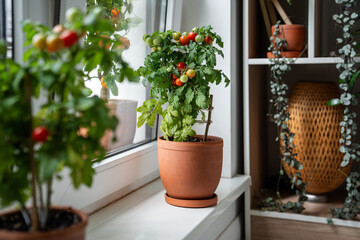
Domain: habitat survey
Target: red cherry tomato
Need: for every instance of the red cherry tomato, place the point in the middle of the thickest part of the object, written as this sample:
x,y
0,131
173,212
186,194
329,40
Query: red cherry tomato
x,y
179,82
184,40
181,65
208,40
192,36
173,82
68,37
40,134
173,76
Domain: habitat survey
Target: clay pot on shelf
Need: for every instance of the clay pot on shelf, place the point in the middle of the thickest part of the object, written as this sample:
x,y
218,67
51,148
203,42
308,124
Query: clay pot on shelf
x,y
190,171
76,230
317,133
294,35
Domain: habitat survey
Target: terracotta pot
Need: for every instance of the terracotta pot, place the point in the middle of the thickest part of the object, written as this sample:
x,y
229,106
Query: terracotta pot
x,y
191,170
74,232
293,34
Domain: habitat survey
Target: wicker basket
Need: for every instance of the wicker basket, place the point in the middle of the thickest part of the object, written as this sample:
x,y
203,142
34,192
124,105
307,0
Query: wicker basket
x,y
317,134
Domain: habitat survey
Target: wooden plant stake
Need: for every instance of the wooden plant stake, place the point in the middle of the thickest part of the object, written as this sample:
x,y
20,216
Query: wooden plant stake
x,y
281,12
208,122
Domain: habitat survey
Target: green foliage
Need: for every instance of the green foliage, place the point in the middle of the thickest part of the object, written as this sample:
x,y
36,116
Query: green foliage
x,y
184,102
278,114
67,113
349,73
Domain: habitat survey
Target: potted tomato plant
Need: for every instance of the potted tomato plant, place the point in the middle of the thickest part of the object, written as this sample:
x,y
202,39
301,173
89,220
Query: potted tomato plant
x,y
36,146
181,69
119,14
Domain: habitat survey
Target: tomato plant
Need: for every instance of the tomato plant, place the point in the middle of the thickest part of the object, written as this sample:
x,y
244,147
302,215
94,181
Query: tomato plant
x,y
181,65
69,38
184,40
192,36
53,43
176,35
184,78
39,41
58,29
208,40
190,73
40,134
186,97
178,82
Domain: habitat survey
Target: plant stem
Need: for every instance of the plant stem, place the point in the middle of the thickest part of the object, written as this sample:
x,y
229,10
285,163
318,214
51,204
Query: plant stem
x,y
209,118
34,212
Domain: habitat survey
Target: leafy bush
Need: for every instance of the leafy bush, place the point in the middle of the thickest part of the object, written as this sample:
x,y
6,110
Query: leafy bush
x,y
35,148
180,70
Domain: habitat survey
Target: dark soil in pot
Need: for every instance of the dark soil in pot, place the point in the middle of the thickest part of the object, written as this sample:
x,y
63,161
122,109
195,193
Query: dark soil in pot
x,y
58,219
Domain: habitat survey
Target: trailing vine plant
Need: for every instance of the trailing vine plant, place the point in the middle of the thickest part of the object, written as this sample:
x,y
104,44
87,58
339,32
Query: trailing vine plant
x,y
278,114
348,75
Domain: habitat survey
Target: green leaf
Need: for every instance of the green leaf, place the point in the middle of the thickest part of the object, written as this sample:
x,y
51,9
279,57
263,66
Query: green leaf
x,y
201,100
333,102
189,96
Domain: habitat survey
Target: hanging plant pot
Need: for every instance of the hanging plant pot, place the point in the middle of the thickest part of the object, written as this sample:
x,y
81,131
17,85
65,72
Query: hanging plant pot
x,y
70,225
190,171
294,35
317,134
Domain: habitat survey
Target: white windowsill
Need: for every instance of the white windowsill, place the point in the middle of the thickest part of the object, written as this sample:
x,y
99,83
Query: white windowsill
x,y
144,214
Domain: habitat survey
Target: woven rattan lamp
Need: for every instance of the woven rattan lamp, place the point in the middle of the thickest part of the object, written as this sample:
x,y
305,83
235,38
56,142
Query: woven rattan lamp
x,y
317,134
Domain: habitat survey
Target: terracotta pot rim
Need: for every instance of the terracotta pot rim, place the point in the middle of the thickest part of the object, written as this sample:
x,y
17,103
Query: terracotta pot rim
x,y
31,235
215,139
287,26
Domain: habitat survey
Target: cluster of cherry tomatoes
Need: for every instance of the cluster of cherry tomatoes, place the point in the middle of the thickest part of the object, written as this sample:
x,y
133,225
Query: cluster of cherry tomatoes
x,y
184,75
60,36
185,38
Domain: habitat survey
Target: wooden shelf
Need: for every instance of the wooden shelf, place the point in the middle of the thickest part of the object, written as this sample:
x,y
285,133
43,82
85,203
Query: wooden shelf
x,y
316,60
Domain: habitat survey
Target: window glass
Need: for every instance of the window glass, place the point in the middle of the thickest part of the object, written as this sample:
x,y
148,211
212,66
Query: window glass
x,y
151,14
6,27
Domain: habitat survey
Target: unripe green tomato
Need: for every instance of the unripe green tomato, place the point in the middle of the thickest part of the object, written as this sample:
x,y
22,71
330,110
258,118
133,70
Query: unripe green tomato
x,y
185,33
149,42
157,41
146,36
39,41
195,29
176,35
169,69
199,38
184,78
72,14
159,48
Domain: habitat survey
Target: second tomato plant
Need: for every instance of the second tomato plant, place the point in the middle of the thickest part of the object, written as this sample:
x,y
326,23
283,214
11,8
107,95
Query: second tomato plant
x,y
180,70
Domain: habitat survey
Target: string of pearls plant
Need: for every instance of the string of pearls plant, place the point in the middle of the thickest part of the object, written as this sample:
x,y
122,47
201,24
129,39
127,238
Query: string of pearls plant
x,y
348,76
278,114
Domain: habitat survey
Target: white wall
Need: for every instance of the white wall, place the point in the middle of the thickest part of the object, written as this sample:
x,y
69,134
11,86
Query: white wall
x,y
217,14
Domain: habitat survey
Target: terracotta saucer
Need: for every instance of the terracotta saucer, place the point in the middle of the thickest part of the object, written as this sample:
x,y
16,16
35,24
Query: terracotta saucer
x,y
287,54
192,203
